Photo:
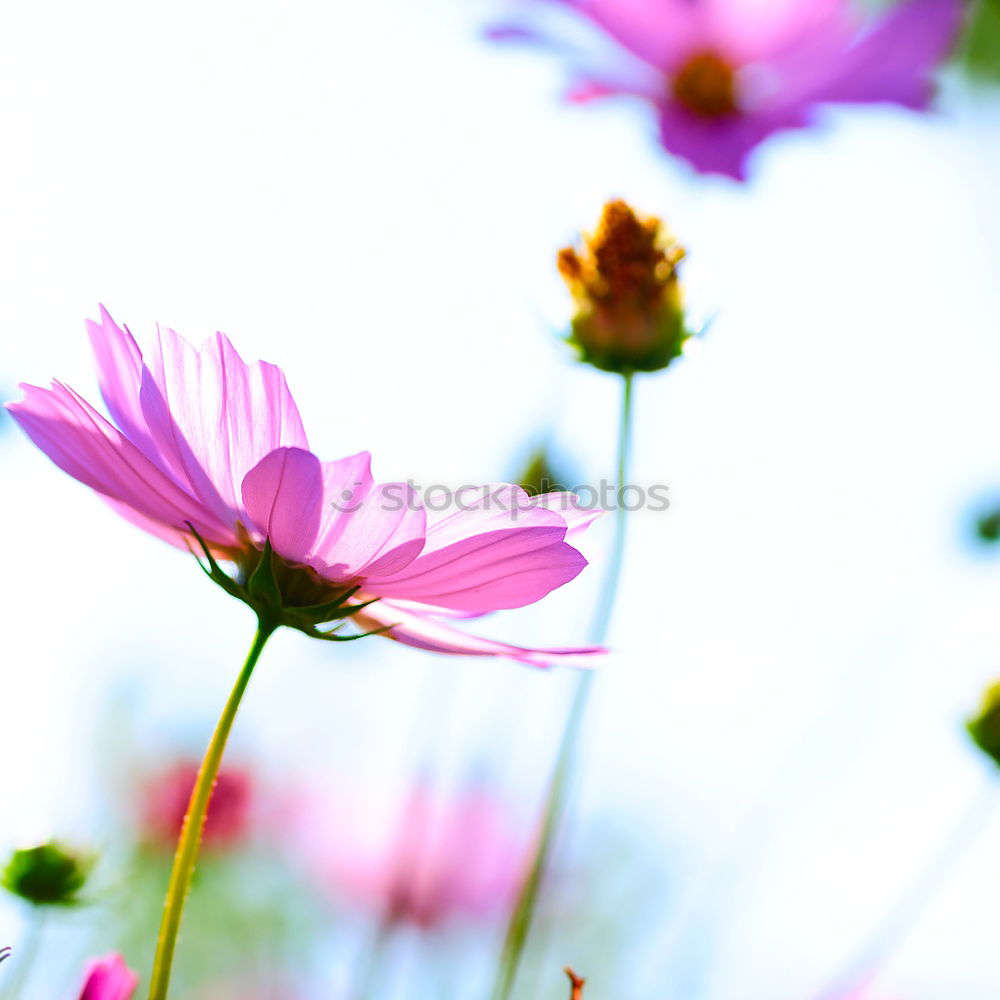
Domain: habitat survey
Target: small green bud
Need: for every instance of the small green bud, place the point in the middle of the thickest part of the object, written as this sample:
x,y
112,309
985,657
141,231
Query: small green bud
x,y
47,875
988,526
539,475
984,728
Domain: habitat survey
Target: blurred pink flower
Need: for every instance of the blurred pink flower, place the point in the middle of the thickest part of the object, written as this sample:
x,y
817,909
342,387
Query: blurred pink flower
x,y
164,802
456,859
205,440
723,75
109,979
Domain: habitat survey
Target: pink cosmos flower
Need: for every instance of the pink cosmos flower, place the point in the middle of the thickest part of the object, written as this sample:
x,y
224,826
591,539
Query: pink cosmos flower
x,y
206,448
447,859
109,979
723,75
165,799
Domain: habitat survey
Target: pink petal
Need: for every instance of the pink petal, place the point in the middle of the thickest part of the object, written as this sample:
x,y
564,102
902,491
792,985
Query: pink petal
x,y
423,632
722,146
756,30
213,417
895,60
660,32
86,446
109,979
380,535
577,517
283,495
480,509
500,552
119,366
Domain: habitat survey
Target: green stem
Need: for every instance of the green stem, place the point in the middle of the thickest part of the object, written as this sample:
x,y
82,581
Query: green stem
x,y
555,804
190,839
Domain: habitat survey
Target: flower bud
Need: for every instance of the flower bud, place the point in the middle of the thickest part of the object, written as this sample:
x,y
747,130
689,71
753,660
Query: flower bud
x,y
984,728
630,314
539,475
47,875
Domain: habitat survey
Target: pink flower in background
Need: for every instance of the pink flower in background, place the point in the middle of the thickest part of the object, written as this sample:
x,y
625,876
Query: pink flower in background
x,y
164,802
202,442
109,979
723,75
457,858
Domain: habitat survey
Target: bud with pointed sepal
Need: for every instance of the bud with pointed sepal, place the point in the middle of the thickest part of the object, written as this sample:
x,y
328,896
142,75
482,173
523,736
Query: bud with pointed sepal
x,y
630,313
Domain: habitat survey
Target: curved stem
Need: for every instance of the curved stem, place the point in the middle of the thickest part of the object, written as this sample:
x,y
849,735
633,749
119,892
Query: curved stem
x,y
555,804
24,958
917,898
194,821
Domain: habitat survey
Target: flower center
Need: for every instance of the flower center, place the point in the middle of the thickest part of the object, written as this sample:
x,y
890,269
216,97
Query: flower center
x,y
706,85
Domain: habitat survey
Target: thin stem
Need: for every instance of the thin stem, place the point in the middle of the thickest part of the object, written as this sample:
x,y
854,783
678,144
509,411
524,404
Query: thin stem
x,y
555,804
917,899
23,959
190,839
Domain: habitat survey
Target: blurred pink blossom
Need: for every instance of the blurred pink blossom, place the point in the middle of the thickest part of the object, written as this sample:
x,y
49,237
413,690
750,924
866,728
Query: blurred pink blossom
x,y
206,442
164,801
723,75
109,979
459,857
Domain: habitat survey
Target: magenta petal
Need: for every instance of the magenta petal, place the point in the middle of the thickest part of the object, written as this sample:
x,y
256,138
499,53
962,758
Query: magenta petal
x,y
487,572
283,496
423,632
109,979
84,445
723,146
895,61
569,507
380,533
119,366
660,32
213,417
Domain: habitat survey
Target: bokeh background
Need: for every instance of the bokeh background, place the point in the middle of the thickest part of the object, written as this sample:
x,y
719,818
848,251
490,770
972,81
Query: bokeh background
x,y
372,196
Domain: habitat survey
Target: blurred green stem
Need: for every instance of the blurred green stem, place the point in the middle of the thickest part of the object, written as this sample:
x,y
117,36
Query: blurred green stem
x,y
555,804
190,839
22,960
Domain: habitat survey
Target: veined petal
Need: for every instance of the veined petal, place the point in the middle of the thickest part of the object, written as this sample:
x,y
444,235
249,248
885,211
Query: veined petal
x,y
119,366
283,496
423,632
489,571
213,417
378,534
480,509
87,447
577,517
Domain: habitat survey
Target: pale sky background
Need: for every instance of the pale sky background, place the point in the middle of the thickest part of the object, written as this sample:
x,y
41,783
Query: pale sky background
x,y
371,197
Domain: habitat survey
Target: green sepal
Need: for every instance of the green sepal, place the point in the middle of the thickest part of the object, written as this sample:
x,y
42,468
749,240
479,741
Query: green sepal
x,y
262,587
262,593
215,572
318,614
332,636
